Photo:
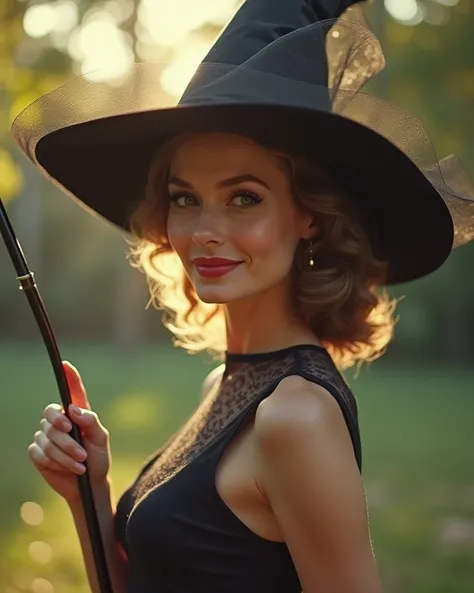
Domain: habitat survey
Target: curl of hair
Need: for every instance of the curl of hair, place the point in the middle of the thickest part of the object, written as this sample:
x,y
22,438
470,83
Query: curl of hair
x,y
339,300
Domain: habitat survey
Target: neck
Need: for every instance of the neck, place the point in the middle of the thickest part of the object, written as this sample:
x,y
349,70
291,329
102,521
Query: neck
x,y
265,322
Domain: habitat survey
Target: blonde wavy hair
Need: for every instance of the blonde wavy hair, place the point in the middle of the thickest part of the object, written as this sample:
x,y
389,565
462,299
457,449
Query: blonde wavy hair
x,y
339,300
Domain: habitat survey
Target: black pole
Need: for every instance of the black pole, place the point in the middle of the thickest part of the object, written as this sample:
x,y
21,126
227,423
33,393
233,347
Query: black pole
x,y
28,285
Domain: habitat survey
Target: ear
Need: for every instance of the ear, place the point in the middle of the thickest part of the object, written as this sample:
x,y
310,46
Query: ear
x,y
309,230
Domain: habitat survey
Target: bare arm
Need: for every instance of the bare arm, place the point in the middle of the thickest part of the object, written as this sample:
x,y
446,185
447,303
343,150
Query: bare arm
x,y
309,475
116,560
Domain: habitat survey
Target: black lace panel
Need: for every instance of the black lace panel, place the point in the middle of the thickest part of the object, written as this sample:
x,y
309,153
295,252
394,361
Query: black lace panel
x,y
246,381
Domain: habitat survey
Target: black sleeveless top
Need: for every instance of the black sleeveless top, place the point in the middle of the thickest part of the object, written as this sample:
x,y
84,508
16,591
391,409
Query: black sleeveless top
x,y
179,535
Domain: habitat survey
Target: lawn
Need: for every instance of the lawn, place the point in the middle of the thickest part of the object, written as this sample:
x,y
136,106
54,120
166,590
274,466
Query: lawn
x,y
418,446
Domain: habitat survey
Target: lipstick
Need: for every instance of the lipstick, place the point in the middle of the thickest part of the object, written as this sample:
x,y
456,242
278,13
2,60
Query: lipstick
x,y
214,267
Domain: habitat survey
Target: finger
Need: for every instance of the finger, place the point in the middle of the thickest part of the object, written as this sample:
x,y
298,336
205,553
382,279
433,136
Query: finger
x,y
41,461
76,386
62,440
53,452
54,413
90,425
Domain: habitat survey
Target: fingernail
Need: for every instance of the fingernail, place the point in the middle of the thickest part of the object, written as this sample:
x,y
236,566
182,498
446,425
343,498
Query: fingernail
x,y
76,410
80,453
79,468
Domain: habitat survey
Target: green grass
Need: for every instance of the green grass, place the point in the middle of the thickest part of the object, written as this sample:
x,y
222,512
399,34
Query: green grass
x,y
418,447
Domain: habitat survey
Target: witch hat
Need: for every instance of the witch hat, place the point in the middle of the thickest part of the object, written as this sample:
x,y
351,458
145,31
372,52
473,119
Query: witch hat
x,y
288,74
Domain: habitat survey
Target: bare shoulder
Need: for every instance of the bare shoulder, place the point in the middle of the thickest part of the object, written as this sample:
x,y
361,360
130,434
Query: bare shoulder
x,y
212,379
296,407
307,471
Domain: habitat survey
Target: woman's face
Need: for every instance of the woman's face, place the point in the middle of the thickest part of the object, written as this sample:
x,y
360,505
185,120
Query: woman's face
x,y
232,218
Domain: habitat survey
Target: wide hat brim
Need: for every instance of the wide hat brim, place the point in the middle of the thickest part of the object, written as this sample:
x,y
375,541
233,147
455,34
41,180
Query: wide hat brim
x,y
102,159
104,165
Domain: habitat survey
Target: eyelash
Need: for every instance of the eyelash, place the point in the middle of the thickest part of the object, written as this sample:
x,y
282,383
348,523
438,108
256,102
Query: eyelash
x,y
248,194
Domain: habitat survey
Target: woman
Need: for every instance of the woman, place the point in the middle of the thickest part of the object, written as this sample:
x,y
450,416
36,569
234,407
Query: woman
x,y
260,226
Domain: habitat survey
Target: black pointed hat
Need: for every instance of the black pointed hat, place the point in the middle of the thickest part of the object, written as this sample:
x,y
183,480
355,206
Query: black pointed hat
x,y
288,73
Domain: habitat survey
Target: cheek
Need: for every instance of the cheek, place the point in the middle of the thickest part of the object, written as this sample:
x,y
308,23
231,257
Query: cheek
x,y
257,237
269,236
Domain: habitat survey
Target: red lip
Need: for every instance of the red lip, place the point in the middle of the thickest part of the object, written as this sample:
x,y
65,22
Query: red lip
x,y
215,261
214,267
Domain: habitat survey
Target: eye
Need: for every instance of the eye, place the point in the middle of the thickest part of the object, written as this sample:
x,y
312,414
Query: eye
x,y
182,200
246,198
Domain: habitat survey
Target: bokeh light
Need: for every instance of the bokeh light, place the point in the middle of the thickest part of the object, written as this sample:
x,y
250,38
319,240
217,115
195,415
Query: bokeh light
x,y
40,552
32,513
169,21
409,12
67,16
53,17
39,20
121,10
99,43
42,586
436,14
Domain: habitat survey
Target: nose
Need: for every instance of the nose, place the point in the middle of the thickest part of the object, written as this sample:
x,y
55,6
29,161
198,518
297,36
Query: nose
x,y
209,229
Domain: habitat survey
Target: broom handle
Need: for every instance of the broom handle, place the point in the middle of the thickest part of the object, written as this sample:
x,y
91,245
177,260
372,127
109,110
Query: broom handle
x,y
27,284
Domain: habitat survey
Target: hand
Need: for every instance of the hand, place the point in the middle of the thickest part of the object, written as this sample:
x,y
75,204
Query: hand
x,y
57,456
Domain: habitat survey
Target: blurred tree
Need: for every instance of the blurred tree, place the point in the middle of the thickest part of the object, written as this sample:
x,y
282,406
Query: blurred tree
x,y
430,72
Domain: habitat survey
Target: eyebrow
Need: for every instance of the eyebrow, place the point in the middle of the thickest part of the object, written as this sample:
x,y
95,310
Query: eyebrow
x,y
224,183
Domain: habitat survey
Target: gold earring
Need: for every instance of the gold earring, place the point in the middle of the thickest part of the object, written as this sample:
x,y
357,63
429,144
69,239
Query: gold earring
x,y
311,260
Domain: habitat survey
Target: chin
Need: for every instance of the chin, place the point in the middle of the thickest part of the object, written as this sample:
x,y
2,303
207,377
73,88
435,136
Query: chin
x,y
216,295
221,292
218,291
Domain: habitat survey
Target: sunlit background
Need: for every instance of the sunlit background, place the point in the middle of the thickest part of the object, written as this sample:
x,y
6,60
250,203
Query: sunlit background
x,y
416,404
